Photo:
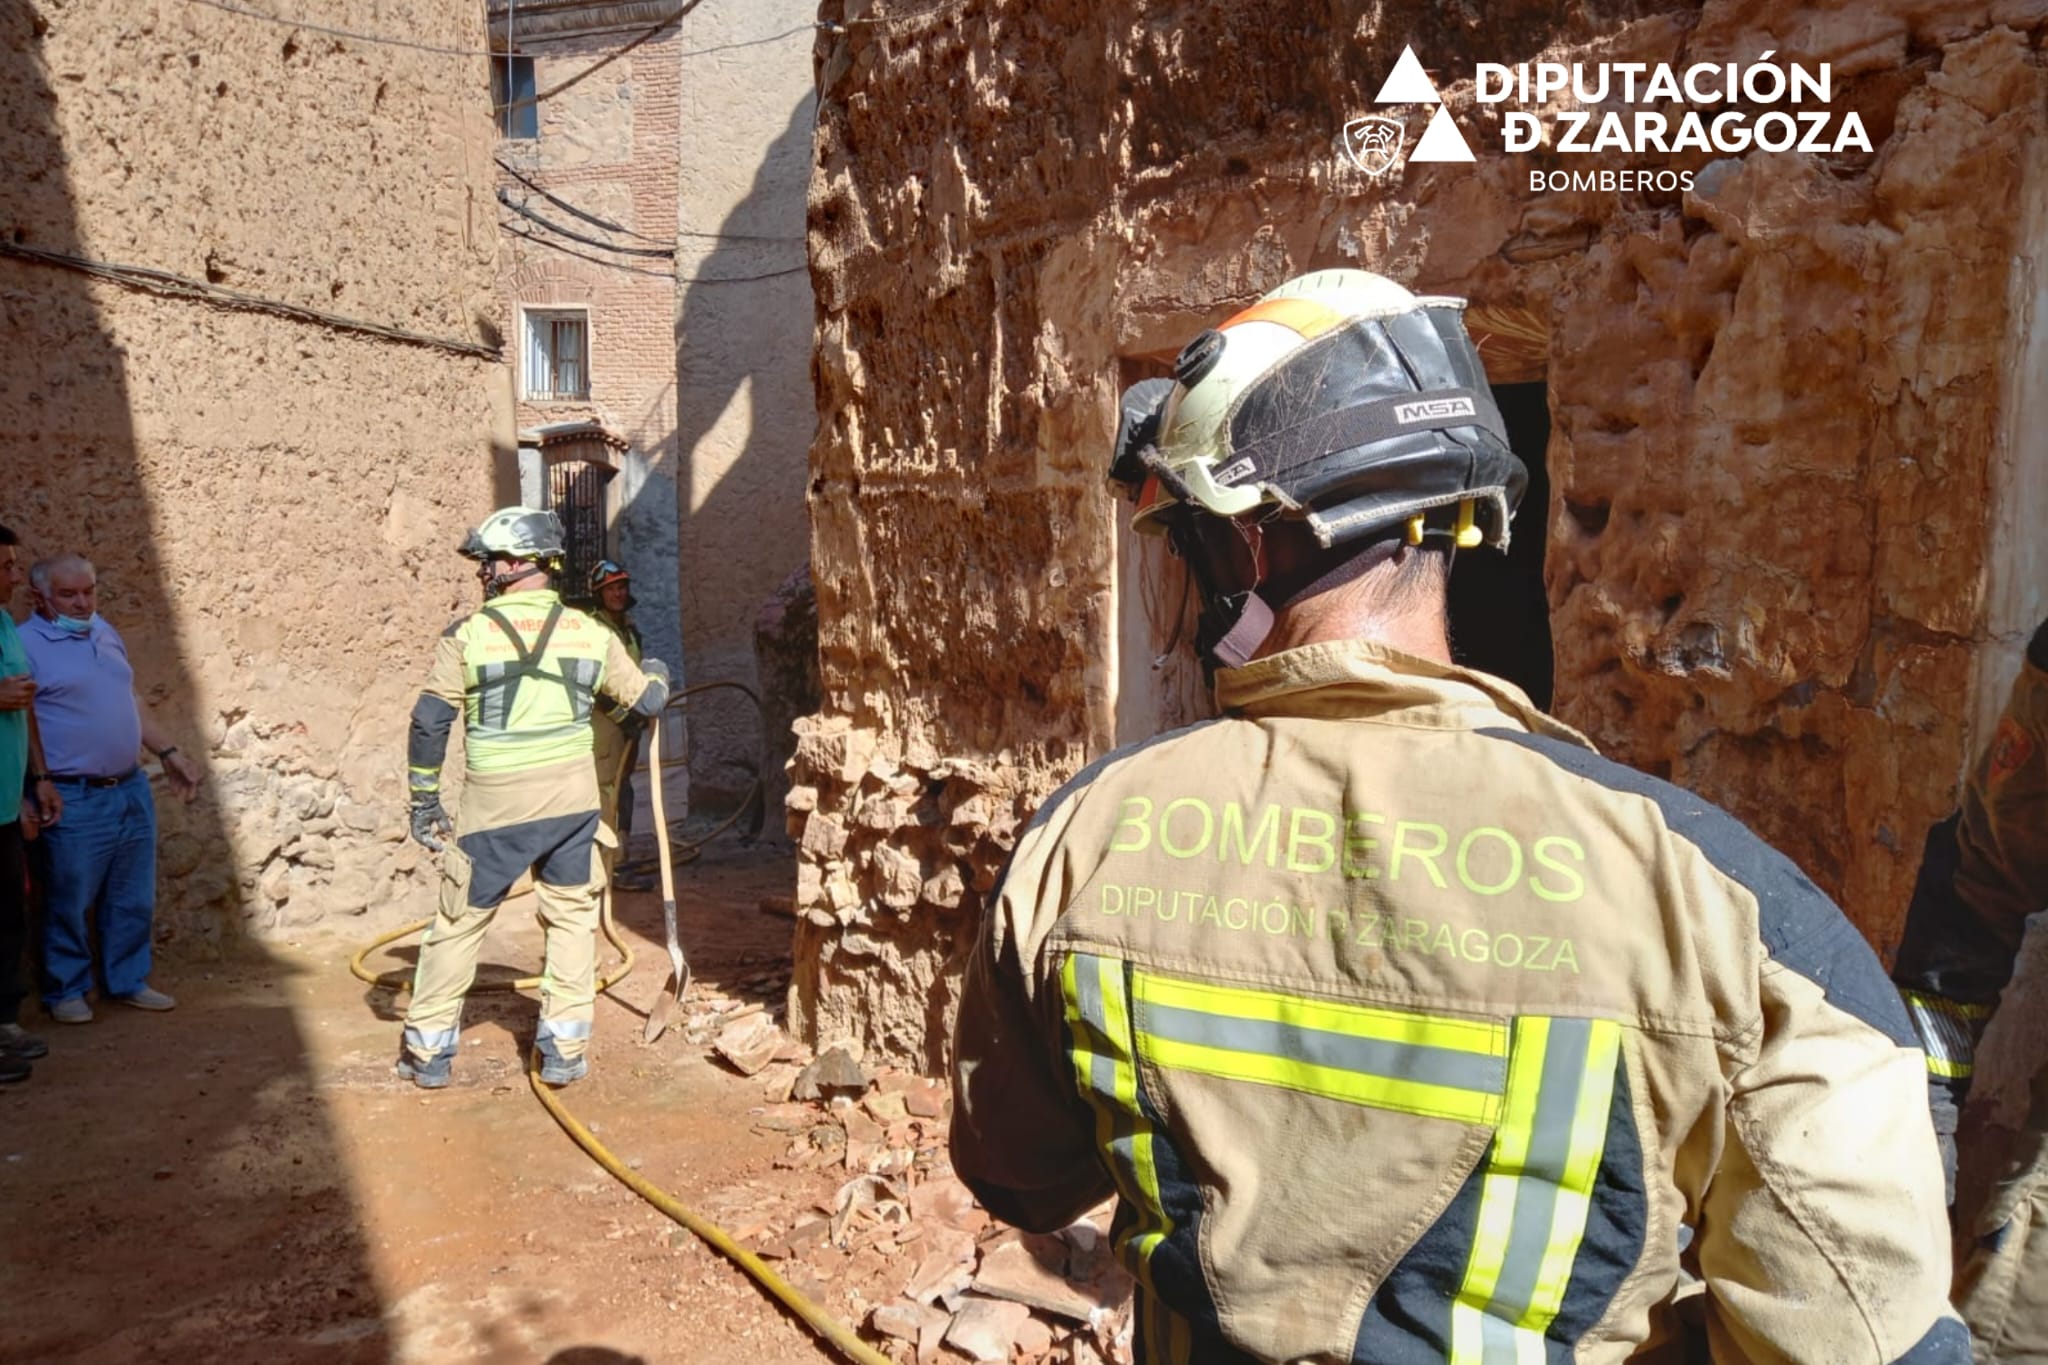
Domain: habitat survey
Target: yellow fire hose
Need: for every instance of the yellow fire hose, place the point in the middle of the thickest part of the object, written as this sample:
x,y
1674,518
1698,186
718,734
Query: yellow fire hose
x,y
837,1333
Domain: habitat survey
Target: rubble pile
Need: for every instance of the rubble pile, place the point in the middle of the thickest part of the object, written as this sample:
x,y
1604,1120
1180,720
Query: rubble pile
x,y
866,1217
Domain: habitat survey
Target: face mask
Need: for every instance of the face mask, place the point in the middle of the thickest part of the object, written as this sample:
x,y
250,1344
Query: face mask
x,y
72,625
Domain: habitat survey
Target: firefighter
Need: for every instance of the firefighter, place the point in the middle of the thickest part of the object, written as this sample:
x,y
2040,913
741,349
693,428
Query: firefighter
x,y
524,671
1984,871
1402,1025
615,728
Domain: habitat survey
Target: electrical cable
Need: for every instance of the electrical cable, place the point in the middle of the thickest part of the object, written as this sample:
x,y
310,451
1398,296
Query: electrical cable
x,y
743,236
743,279
514,230
587,72
645,36
288,22
757,42
608,226
666,254
150,280
384,40
570,208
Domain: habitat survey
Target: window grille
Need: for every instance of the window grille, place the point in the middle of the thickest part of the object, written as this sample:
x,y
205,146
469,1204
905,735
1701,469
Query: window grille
x,y
576,492
557,354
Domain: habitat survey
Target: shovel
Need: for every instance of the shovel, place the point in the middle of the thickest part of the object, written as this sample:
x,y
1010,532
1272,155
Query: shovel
x,y
679,971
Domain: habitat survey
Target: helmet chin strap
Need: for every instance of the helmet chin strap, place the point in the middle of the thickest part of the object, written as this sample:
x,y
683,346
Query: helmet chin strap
x,y
1238,592
496,583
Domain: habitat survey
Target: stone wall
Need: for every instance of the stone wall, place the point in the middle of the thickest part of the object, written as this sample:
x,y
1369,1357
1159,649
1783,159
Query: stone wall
x,y
1785,432
272,503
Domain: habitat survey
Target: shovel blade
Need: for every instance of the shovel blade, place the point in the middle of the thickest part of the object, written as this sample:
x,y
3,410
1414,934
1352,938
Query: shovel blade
x,y
662,1014
664,1011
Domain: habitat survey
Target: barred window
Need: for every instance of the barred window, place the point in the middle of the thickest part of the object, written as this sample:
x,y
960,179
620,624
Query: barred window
x,y
557,355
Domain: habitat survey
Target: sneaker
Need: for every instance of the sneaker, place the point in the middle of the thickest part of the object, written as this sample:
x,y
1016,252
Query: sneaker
x,y
558,1071
72,1011
16,1041
432,1075
149,998
13,1069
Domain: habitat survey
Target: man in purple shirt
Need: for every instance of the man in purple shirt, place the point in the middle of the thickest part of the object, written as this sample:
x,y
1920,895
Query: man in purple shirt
x,y
103,852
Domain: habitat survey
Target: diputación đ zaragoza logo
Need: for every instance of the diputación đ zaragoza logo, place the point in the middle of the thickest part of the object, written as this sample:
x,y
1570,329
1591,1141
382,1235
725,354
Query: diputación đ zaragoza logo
x,y
1560,111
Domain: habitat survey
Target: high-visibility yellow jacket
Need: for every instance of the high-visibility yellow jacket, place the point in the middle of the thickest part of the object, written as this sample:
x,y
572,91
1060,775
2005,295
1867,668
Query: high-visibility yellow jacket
x,y
1407,1028
523,670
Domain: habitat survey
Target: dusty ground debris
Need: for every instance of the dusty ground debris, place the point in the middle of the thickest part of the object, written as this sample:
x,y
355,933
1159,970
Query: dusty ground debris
x,y
287,1195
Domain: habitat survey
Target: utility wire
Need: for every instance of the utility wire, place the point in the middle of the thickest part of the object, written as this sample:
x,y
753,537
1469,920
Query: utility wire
x,y
570,208
587,72
152,281
598,222
645,36
290,22
742,236
515,230
385,40
757,42
742,279
505,198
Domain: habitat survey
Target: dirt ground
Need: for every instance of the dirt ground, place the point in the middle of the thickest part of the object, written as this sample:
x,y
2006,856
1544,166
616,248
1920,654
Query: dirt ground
x,y
244,1180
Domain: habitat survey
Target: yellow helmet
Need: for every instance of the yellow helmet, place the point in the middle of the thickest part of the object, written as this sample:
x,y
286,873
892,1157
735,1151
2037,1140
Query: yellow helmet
x,y
1340,398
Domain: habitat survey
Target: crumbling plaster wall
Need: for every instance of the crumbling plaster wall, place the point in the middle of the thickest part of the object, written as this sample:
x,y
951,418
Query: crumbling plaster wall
x,y
1782,410
271,503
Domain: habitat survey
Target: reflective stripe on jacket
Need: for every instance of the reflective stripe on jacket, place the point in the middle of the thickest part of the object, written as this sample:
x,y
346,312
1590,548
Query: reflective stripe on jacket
x,y
1404,1027
1984,871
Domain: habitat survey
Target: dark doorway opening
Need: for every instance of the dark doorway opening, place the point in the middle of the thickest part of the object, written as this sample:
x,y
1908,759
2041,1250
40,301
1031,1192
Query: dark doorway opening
x,y
1500,615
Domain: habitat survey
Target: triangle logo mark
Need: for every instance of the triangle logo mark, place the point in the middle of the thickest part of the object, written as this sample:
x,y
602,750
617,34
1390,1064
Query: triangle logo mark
x,y
1441,140
1408,84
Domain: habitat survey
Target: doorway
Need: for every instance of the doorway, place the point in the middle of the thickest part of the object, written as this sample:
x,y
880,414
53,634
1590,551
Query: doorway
x,y
1500,613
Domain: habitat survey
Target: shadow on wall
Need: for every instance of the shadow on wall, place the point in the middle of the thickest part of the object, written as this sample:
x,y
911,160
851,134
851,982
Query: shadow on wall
x,y
743,346
143,1158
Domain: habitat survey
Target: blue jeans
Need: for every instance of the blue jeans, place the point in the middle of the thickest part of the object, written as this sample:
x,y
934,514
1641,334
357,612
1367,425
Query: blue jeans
x,y
102,854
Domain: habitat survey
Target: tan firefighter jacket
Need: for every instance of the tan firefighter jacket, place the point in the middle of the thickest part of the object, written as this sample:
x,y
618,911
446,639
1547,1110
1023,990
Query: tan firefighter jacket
x,y
1407,1028
1984,872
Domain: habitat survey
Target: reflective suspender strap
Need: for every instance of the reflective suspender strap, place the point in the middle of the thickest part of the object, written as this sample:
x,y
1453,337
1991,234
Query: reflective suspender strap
x,y
1536,1189
504,688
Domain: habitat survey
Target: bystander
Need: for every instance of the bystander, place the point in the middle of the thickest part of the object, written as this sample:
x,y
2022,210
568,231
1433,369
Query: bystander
x,y
102,854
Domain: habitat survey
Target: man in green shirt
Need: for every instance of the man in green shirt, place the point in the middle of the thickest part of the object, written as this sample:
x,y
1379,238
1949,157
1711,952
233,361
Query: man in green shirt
x,y
21,757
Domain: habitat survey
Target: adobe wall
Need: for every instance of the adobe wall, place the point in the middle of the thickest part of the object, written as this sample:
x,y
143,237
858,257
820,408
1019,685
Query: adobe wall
x,y
272,504
1787,442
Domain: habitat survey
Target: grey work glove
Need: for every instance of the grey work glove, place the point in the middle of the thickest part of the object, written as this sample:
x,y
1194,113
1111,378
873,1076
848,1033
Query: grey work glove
x,y
655,695
430,824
